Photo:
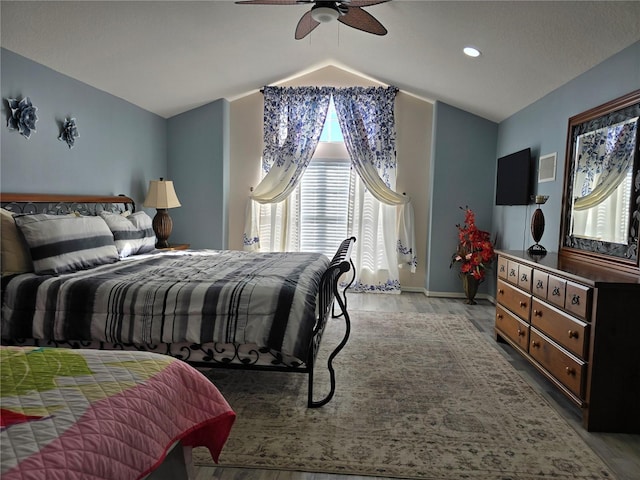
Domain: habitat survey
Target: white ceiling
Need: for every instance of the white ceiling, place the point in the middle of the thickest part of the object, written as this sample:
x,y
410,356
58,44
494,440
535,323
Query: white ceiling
x,y
171,56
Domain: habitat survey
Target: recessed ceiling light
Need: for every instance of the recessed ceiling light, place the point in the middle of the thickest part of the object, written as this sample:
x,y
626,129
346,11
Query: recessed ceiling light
x,y
471,51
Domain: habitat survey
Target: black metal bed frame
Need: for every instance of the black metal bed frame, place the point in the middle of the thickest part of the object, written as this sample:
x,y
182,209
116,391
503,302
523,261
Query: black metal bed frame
x,y
208,355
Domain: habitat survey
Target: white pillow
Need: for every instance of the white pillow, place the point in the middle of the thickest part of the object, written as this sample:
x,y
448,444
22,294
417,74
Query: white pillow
x,y
66,243
132,234
14,251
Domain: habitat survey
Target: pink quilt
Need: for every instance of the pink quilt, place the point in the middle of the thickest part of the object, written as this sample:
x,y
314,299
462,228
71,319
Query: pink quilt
x,y
89,414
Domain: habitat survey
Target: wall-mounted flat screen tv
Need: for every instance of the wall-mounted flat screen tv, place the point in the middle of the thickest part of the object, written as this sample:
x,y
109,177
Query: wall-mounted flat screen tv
x,y
513,185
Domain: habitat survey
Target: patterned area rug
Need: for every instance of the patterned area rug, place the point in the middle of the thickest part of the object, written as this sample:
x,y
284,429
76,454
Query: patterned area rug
x,y
418,396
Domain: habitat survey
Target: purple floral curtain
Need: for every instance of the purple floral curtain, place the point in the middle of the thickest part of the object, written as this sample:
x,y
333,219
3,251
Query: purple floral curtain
x,y
293,121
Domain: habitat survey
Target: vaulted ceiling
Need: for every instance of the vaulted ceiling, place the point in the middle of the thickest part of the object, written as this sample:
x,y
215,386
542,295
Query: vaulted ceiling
x,y
171,56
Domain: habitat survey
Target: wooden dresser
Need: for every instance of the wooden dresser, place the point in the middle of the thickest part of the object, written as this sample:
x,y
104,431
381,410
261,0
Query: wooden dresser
x,y
580,327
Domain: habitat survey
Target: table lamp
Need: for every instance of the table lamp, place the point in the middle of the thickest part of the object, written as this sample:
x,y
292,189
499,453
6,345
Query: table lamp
x,y
161,196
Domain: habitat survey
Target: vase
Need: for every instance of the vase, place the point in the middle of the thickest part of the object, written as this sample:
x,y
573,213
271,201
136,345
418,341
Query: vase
x,y
470,286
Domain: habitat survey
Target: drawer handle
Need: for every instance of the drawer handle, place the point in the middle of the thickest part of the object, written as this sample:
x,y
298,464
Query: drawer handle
x,y
512,273
537,313
540,284
556,291
499,316
575,300
570,371
535,344
573,334
501,291
521,333
523,304
502,268
523,277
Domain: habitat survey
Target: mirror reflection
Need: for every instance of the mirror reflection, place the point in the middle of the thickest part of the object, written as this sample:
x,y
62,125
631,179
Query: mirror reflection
x,y
603,182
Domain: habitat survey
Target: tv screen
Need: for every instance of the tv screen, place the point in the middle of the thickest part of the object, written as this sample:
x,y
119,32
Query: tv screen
x,y
513,186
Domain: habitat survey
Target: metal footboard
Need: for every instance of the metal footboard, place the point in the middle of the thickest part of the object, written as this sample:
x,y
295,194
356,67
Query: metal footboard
x,y
328,295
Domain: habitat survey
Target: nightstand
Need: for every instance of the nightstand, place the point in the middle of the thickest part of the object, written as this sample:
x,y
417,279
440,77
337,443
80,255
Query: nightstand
x,y
177,246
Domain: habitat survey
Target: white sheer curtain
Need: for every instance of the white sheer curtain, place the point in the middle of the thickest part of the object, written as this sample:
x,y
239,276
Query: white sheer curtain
x,y
609,219
380,218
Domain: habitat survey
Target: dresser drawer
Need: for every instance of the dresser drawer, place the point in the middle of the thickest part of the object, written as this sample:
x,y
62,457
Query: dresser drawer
x,y
567,369
512,271
556,290
512,327
578,300
524,277
502,268
570,333
514,299
540,283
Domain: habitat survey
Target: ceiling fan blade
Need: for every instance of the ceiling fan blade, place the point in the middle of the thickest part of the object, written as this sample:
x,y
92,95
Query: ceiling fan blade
x,y
363,3
305,26
362,20
267,2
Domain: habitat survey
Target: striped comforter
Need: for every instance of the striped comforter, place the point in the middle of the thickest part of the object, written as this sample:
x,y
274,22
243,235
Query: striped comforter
x,y
199,296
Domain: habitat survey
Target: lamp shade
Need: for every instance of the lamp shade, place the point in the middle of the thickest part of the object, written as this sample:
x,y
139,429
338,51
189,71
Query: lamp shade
x,y
161,194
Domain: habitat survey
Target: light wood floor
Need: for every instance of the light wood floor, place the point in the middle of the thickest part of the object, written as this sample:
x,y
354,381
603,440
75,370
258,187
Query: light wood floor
x,y
620,451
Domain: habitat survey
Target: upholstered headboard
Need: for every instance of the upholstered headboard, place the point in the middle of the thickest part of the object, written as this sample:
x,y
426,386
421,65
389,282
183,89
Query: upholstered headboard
x,y
60,204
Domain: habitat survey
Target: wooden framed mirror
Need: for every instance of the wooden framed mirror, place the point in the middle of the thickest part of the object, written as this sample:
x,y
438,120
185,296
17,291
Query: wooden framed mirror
x,y
601,199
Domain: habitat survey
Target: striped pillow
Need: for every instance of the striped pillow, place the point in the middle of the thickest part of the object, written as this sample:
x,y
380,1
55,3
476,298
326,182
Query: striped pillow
x,y
132,234
66,243
14,255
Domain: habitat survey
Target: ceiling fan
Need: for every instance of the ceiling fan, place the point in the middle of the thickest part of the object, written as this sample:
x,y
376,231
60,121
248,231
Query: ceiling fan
x,y
349,12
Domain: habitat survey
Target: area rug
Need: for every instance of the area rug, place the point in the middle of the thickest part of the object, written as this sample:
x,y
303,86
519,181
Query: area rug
x,y
418,396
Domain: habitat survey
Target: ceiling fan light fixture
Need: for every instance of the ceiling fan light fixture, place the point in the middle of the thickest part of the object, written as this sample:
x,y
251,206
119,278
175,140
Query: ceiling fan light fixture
x,y
324,14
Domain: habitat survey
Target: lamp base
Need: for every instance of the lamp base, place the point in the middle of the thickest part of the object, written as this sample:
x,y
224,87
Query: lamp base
x,y
537,249
162,226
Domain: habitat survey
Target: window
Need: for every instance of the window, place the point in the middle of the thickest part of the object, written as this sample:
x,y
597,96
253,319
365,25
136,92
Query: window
x,y
319,207
319,204
331,131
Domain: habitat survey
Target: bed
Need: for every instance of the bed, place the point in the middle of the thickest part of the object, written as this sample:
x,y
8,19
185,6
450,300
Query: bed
x,y
95,414
210,308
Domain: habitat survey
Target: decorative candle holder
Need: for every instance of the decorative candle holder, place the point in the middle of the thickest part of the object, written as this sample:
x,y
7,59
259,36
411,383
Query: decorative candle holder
x,y
537,226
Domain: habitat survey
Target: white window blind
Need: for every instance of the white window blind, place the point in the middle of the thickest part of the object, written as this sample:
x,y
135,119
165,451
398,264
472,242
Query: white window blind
x,y
323,206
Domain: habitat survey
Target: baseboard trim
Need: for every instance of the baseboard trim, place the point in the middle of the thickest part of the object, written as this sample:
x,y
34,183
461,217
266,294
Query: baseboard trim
x,y
482,296
427,293
413,289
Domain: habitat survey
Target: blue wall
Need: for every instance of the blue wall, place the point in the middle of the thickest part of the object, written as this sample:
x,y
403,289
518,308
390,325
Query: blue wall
x,y
463,162
543,127
198,157
120,148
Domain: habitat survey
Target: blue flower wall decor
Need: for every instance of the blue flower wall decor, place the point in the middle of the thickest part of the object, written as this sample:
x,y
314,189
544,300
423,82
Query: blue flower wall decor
x,y
23,116
69,132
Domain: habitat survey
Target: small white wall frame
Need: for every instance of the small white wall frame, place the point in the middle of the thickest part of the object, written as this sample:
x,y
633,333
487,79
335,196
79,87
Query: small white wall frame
x,y
547,168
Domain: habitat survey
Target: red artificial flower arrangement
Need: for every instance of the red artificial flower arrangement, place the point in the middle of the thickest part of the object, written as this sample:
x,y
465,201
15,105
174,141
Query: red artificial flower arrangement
x,y
475,249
